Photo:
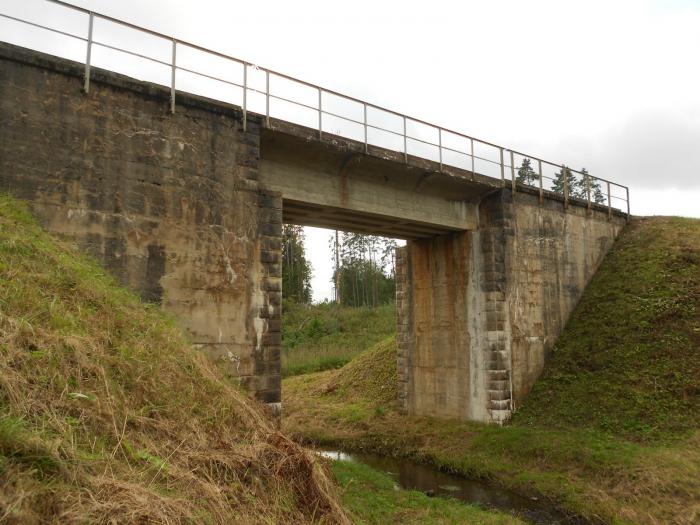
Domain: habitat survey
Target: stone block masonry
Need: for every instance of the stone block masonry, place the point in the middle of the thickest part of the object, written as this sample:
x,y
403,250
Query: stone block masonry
x,y
170,204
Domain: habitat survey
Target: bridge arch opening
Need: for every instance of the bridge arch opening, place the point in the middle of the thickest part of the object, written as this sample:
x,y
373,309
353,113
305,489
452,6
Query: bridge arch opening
x,y
339,296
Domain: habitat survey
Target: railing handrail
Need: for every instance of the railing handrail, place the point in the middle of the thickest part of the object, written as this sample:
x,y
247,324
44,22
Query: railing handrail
x,y
405,118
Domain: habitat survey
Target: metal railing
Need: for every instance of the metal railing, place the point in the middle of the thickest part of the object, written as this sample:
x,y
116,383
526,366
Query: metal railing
x,y
369,123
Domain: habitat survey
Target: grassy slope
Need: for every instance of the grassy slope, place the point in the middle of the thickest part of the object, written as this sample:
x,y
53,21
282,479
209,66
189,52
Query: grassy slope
x,y
107,415
373,499
611,431
324,336
629,360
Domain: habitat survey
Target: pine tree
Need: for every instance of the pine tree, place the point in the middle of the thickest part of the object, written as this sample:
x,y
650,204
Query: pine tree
x,y
571,182
526,175
296,269
586,184
365,275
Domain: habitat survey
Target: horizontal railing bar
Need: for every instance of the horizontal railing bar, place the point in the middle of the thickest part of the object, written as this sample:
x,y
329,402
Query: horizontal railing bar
x,y
447,148
343,117
313,108
199,73
271,71
295,80
409,137
497,163
384,129
210,52
47,28
532,157
108,46
253,90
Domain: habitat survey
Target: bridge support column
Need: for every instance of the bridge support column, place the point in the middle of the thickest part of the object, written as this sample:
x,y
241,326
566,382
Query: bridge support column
x,y
479,311
437,307
453,337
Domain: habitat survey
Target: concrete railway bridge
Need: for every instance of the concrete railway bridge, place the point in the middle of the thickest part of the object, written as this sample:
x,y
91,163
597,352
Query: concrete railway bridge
x,y
183,198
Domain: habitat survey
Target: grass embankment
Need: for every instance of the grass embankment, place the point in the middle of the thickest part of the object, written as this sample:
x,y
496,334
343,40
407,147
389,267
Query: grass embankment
x,y
612,429
108,416
324,336
372,498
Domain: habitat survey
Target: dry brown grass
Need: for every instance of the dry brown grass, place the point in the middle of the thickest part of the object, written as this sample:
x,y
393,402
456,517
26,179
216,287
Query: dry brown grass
x,y
108,416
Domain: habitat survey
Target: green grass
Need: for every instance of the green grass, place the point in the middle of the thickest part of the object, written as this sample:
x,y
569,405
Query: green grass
x,y
628,362
107,414
373,498
326,336
610,432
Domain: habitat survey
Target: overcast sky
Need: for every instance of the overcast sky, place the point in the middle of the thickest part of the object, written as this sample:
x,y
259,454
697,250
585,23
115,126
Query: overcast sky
x,y
610,85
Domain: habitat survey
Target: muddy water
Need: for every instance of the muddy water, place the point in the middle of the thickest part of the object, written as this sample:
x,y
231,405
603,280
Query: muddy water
x,y
415,476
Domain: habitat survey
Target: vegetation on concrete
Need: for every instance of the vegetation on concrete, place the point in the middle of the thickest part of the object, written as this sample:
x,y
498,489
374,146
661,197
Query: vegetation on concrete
x,y
610,433
372,498
628,362
108,416
327,335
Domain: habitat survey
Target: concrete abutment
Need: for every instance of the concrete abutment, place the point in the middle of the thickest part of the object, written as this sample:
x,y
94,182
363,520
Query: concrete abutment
x,y
479,311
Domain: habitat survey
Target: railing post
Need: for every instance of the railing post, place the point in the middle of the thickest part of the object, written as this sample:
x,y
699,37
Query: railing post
x,y
405,141
86,80
627,192
440,146
172,77
539,172
320,114
245,96
588,191
609,201
512,170
503,169
365,126
472,145
564,172
267,98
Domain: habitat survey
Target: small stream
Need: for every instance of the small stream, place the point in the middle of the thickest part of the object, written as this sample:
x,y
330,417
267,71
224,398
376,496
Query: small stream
x,y
434,482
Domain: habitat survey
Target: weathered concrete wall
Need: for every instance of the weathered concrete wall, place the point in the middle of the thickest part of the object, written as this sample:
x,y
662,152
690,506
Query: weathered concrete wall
x,y
550,258
170,203
175,207
435,337
478,312
354,191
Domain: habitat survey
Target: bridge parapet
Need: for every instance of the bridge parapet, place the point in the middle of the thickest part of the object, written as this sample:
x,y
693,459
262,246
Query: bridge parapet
x,y
278,97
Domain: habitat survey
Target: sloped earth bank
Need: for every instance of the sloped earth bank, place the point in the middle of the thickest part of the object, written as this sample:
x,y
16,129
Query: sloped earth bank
x,y
611,432
108,416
